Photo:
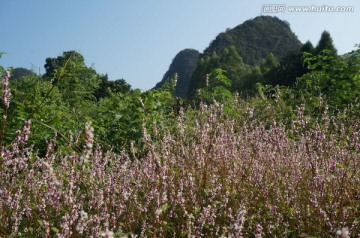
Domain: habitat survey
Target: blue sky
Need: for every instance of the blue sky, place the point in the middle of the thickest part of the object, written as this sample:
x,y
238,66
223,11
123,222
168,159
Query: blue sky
x,y
137,39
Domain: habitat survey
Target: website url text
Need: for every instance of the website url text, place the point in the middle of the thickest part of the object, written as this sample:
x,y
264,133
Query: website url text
x,y
282,8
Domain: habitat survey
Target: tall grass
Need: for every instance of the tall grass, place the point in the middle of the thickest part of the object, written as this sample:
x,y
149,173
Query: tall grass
x,y
210,176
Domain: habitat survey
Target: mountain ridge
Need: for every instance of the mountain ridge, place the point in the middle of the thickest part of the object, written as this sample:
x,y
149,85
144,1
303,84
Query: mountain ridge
x,y
253,40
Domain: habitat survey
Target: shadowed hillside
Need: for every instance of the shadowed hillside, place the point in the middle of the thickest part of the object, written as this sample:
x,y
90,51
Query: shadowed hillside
x,y
184,64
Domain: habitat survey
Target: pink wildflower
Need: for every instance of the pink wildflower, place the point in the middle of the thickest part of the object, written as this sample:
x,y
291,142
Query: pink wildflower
x,y
6,90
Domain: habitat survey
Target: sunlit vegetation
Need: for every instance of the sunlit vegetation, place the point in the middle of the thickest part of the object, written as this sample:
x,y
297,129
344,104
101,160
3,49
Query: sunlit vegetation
x,y
266,146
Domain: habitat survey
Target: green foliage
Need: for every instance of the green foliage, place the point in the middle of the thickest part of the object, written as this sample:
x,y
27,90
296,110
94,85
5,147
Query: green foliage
x,y
72,77
70,94
117,119
120,118
232,65
36,99
290,68
206,64
269,63
286,73
106,87
307,47
217,88
219,78
17,73
336,79
325,43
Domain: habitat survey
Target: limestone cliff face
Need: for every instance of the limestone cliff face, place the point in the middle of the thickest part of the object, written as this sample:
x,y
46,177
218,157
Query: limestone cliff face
x,y
184,64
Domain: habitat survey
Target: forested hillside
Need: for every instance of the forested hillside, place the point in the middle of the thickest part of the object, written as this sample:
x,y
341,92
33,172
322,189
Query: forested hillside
x,y
255,39
265,142
239,51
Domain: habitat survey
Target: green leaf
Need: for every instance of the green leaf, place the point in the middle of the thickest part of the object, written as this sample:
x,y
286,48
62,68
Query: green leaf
x,y
118,117
164,207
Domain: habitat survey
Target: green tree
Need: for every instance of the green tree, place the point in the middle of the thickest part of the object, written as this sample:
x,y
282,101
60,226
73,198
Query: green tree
x,y
72,77
236,70
290,68
230,62
38,100
325,43
205,66
120,118
269,63
20,72
217,88
332,78
106,87
307,47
